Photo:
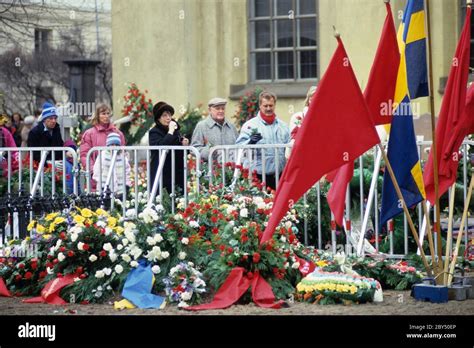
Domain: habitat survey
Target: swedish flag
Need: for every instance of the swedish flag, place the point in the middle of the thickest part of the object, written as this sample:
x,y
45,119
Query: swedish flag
x,y
411,83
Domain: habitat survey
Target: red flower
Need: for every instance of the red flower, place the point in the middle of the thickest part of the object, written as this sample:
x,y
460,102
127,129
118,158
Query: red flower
x,y
230,263
209,252
28,275
229,250
21,265
70,253
222,247
42,274
62,235
214,219
215,230
244,238
103,253
86,246
62,249
34,265
18,277
256,257
102,230
245,257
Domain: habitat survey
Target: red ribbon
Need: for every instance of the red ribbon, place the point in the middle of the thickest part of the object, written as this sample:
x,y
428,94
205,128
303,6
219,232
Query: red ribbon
x,y
3,289
306,267
235,286
50,292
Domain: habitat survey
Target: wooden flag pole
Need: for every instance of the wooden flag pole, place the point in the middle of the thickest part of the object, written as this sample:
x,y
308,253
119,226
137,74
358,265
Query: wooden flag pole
x,y
433,135
430,237
461,230
405,209
450,233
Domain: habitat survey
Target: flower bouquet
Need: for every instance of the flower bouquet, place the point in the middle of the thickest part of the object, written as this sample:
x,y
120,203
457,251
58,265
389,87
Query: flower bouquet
x,y
184,285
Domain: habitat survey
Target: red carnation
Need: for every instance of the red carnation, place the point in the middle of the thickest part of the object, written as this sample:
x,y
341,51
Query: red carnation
x,y
256,257
18,277
103,253
85,246
214,219
230,263
21,265
28,275
42,274
34,265
244,238
70,253
209,252
229,250
222,247
215,230
62,249
62,235
245,257
102,230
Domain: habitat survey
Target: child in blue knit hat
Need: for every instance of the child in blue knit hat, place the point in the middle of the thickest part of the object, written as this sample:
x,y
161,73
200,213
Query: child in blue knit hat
x,y
103,163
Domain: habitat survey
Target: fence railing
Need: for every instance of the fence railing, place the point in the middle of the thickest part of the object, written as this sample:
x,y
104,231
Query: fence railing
x,y
54,176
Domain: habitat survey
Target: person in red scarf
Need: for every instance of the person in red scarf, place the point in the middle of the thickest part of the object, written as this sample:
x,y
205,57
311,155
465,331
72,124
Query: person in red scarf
x,y
266,128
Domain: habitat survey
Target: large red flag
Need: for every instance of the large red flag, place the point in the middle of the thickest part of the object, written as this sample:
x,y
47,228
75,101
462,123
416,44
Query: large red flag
x,y
454,122
337,129
383,75
379,97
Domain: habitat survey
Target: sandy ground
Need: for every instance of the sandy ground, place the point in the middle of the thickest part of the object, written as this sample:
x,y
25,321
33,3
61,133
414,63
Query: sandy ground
x,y
395,303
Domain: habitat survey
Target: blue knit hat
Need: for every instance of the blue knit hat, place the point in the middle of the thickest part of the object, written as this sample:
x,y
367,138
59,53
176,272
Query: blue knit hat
x,y
113,139
49,110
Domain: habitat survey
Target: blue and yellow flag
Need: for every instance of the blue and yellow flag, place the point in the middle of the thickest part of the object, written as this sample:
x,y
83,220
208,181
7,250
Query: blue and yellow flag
x,y
411,83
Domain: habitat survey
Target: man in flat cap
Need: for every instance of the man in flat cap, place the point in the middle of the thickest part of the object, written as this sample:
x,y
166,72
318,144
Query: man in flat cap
x,y
214,130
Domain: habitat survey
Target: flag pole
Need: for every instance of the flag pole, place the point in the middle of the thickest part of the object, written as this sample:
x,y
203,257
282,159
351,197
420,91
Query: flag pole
x,y
430,237
433,136
405,209
450,233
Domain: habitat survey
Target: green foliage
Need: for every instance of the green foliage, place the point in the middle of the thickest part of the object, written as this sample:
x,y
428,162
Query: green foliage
x,y
248,107
189,119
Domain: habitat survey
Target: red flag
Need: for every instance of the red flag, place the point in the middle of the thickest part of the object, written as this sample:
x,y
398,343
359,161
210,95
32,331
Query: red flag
x,y
50,292
338,128
383,75
336,197
454,121
3,289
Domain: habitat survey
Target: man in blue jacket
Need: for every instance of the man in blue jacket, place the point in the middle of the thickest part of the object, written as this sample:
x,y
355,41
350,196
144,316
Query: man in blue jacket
x,y
266,128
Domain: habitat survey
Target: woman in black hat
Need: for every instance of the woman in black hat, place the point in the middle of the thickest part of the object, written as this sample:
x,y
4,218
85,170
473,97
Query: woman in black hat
x,y
166,133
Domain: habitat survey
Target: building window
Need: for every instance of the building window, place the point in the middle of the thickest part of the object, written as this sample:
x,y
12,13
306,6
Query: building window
x,y
42,40
283,43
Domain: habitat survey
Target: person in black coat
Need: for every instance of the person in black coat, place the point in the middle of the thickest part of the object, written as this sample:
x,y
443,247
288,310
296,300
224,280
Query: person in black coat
x,y
166,133
47,133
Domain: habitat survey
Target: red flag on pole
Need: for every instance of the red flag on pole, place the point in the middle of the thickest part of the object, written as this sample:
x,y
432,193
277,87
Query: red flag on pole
x,y
454,121
383,75
379,98
337,129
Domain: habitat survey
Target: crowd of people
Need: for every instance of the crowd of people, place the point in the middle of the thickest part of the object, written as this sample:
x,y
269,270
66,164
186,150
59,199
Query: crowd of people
x,y
43,131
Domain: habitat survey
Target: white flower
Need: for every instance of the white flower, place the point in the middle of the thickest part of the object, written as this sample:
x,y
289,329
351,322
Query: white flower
x,y
186,296
154,254
136,252
58,243
165,254
61,257
198,282
190,264
129,226
156,269
173,270
92,258
185,241
134,263
99,274
178,217
283,239
286,265
118,269
119,247
74,237
182,255
295,265
108,247
232,222
107,271
101,223
76,229
130,236
126,257
49,270
125,241
182,304
130,213
80,246
150,240
112,256
193,224
244,212
108,231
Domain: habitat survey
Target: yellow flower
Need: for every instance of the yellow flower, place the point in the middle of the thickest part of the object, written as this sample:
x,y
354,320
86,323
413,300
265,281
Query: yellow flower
x,y
214,198
46,236
51,216
119,230
59,220
100,211
112,222
52,227
40,228
87,213
353,289
321,263
31,225
78,219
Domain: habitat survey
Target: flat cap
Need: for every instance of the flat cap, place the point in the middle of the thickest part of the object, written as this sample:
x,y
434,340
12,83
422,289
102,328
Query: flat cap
x,y
217,101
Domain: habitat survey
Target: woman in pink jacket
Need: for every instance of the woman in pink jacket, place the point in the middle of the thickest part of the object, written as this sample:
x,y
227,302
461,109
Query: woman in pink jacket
x,y
97,135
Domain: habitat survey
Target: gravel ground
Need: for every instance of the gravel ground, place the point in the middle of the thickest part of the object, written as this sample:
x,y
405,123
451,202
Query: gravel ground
x,y
395,303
